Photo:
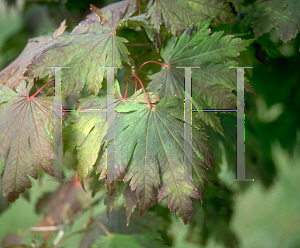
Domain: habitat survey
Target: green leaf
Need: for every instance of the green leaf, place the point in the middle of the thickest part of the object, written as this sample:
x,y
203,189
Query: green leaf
x,y
135,21
130,202
260,228
128,241
178,15
24,140
86,132
139,97
128,107
149,143
90,45
282,15
213,82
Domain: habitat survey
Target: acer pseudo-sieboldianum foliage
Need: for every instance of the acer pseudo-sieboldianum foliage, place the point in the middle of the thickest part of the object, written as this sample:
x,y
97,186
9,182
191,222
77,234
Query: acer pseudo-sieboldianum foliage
x,y
149,125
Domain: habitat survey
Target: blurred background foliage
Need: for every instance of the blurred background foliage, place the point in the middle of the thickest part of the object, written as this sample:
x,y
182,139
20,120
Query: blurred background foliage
x,y
264,213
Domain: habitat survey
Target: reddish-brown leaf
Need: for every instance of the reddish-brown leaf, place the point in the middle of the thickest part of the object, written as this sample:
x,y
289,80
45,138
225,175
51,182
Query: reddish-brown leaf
x,y
13,73
62,206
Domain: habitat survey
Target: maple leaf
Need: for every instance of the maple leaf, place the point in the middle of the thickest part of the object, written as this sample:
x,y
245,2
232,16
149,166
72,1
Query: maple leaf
x,y
282,15
117,188
86,132
25,138
262,228
178,15
130,202
123,9
12,74
150,145
90,45
213,82
88,129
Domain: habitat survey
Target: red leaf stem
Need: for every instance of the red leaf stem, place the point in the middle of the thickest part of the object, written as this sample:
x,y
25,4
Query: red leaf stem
x,y
139,7
143,90
135,85
29,98
126,91
151,62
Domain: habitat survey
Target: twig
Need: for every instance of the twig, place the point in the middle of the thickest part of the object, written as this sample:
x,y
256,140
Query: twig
x,y
103,228
69,236
46,228
58,237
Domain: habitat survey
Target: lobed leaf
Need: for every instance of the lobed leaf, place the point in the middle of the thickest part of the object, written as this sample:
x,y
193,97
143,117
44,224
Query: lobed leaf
x,y
91,45
178,15
25,142
213,82
84,53
13,73
149,143
282,15
87,129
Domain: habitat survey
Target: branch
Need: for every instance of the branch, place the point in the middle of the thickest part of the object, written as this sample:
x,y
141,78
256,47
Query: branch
x,y
103,227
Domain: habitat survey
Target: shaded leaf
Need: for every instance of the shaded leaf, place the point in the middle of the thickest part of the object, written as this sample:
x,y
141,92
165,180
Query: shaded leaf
x,y
130,202
280,200
62,206
134,21
116,190
282,15
155,37
178,15
13,73
25,143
